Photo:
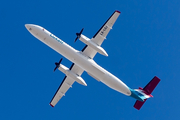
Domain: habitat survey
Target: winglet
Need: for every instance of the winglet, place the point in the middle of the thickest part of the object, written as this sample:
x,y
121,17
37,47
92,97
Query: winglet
x,y
117,11
51,105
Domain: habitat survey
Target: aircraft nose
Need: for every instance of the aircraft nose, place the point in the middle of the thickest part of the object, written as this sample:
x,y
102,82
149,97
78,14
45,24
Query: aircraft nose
x,y
28,27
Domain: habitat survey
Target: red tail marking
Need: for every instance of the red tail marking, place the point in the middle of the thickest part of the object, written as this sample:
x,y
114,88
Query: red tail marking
x,y
139,104
151,85
147,90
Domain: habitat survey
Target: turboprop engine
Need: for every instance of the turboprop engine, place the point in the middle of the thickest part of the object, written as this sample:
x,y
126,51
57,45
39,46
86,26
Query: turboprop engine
x,y
90,43
69,73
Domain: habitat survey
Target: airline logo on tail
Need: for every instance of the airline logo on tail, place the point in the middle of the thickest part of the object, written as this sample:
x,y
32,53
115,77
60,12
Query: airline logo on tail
x,y
142,94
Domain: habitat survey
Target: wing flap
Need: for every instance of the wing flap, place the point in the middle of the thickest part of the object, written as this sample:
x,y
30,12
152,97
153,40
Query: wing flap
x,y
65,85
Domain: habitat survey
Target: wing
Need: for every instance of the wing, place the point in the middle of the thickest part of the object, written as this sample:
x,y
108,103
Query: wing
x,y
76,69
65,85
99,37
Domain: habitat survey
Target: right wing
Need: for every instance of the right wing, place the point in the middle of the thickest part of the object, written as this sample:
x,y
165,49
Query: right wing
x,y
100,36
66,84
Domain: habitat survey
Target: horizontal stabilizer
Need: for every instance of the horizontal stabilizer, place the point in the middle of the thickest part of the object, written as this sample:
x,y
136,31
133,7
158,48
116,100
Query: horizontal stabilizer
x,y
147,90
151,85
139,104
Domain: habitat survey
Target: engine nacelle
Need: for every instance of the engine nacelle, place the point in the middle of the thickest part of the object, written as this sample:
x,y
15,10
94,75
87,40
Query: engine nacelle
x,y
90,43
72,75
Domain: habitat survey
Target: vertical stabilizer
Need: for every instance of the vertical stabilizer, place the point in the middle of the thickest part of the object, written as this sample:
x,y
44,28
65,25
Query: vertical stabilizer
x,y
147,90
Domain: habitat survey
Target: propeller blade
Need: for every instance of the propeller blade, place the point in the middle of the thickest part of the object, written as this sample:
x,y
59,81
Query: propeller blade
x,y
78,35
60,61
76,39
57,64
81,31
55,69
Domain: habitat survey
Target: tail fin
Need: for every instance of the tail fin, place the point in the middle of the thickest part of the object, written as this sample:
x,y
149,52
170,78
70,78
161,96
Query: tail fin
x,y
147,90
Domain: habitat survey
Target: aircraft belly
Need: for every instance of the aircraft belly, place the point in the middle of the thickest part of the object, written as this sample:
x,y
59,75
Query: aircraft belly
x,y
102,75
116,84
62,49
109,79
87,64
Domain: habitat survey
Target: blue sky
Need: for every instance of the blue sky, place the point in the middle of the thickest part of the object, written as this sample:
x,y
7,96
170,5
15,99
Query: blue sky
x,y
144,42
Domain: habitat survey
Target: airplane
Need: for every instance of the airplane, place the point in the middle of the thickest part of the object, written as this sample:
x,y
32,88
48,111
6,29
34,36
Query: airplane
x,y
83,61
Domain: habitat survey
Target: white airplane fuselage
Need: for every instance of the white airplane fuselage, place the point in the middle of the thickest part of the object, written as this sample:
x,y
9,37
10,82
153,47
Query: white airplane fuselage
x,y
77,57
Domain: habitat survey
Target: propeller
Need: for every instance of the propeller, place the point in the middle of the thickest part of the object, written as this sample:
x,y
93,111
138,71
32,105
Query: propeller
x,y
57,64
78,35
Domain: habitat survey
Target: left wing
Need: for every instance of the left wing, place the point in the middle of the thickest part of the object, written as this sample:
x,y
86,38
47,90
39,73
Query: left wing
x,y
99,37
66,84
